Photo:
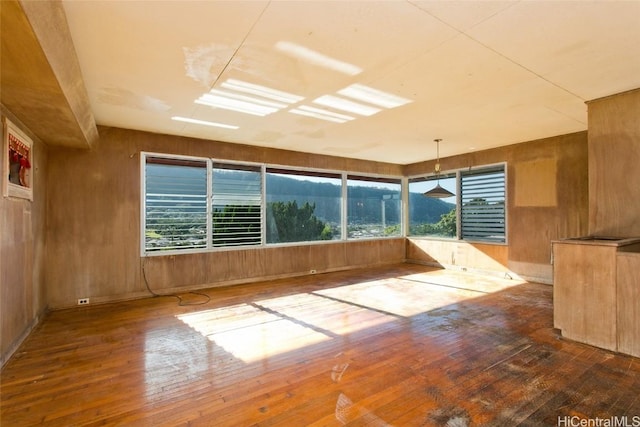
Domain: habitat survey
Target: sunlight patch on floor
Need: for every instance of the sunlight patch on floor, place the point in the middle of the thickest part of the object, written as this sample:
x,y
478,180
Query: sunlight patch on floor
x,y
482,284
265,328
413,294
251,333
334,317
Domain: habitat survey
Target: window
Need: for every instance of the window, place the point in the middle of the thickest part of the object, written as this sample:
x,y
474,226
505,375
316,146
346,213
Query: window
x,y
477,214
236,204
196,204
429,216
482,195
183,209
373,207
303,206
175,204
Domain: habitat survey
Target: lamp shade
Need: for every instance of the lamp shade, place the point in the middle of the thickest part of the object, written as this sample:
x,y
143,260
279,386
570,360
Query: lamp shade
x,y
438,192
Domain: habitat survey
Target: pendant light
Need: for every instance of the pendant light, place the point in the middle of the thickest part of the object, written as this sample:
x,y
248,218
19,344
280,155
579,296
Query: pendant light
x,y
438,191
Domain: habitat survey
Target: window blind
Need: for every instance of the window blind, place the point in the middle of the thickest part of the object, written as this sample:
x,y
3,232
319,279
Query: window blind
x,y
236,205
175,204
482,201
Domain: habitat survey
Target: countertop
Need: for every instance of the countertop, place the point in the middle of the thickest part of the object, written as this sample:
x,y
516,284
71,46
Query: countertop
x,y
600,241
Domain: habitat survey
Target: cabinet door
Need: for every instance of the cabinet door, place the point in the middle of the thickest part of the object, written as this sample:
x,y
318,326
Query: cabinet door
x,y
584,293
628,321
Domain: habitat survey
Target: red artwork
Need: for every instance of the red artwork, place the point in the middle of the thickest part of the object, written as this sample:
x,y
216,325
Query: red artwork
x,y
19,163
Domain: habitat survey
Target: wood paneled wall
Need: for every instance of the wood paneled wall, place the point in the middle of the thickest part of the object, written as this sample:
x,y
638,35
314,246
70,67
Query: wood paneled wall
x,y
241,266
459,255
23,296
93,232
547,199
614,155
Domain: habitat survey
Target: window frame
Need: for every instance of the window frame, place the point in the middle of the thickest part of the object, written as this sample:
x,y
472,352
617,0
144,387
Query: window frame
x,y
236,166
485,169
143,203
374,178
433,178
301,171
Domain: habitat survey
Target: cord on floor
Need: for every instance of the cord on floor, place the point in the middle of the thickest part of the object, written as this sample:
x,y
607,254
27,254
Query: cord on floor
x,y
181,302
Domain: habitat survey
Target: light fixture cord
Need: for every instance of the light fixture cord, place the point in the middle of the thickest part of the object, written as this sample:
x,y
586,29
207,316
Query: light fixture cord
x,y
437,167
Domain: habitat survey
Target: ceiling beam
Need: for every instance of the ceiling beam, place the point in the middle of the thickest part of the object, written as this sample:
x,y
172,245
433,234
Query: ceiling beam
x,y
41,81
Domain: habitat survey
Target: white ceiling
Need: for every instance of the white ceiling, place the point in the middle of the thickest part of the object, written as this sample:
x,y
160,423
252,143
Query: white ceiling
x,y
479,74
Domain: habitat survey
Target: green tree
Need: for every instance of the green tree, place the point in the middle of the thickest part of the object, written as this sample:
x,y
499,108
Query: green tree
x,y
290,223
447,224
392,230
445,227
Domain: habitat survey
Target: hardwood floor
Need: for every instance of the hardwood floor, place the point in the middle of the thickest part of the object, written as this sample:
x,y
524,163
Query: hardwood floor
x,y
402,345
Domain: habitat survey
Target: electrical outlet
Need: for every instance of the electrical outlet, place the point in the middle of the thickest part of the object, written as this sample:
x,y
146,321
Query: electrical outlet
x,y
83,301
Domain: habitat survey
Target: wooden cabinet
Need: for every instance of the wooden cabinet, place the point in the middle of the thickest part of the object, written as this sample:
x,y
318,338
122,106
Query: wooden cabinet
x,y
596,292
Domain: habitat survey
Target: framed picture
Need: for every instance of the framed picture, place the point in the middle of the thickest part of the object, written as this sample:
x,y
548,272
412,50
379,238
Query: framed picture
x,y
18,162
